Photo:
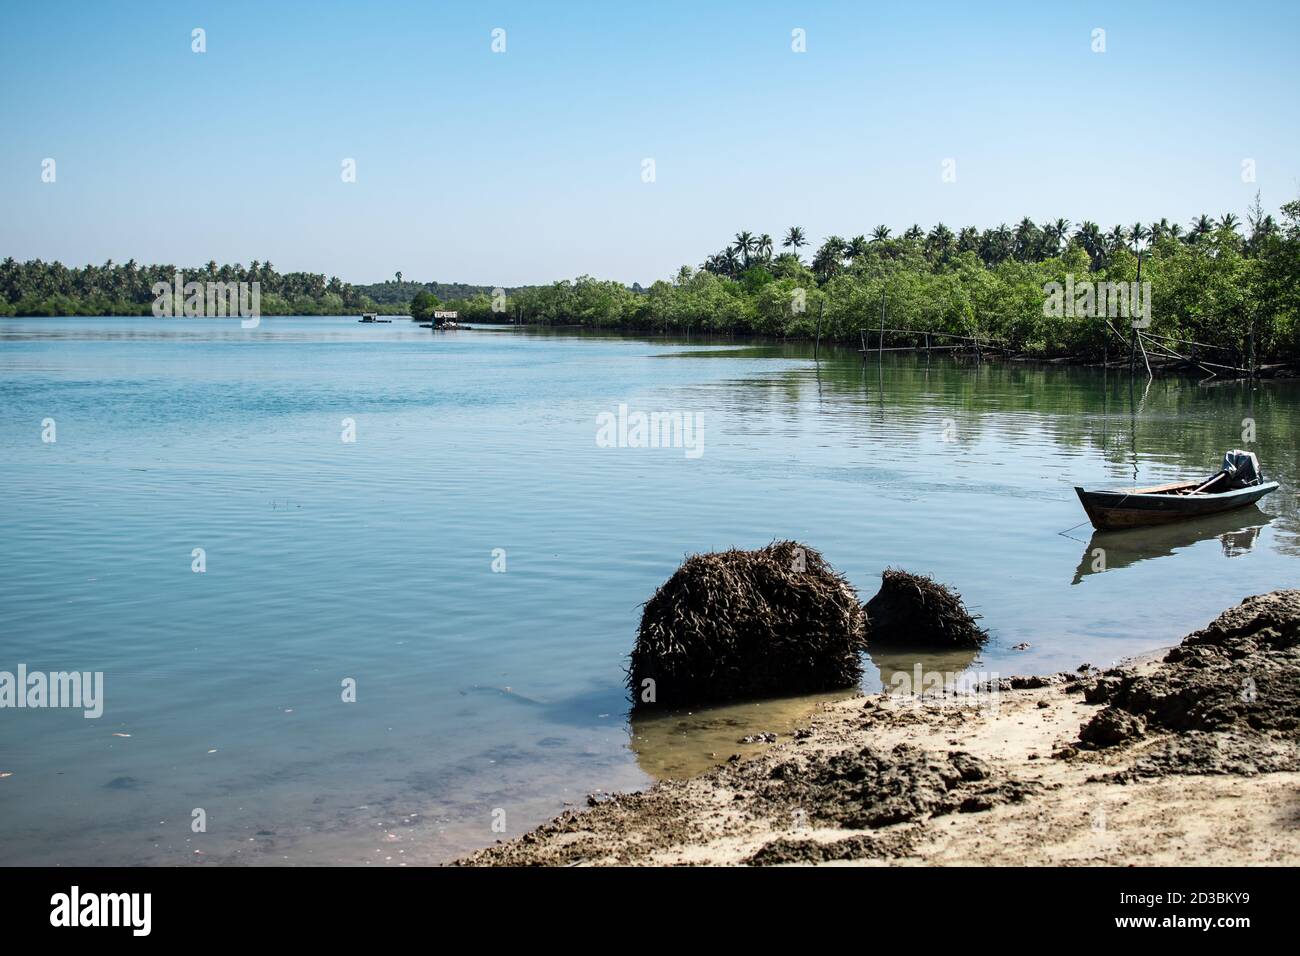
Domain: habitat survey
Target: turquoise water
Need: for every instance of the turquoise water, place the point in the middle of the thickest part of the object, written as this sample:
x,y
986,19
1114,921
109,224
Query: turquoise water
x,y
484,696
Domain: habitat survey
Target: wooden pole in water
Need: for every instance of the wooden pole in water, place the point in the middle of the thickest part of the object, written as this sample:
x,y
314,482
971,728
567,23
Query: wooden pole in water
x,y
820,312
1133,333
880,346
1252,344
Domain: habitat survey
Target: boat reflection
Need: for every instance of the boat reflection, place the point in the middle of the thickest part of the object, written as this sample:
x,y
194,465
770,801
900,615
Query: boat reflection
x,y
1237,532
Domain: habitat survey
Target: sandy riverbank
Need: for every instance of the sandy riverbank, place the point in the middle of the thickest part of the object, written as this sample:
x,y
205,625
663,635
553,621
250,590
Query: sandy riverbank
x,y
1188,757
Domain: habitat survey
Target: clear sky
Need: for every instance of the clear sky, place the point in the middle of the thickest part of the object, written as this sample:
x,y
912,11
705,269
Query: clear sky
x,y
527,166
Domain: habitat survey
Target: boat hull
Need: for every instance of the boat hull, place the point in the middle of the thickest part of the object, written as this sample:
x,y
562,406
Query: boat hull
x,y
1141,507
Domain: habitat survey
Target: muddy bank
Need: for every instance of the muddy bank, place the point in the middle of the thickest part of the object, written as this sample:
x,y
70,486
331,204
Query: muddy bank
x,y
1230,693
1187,758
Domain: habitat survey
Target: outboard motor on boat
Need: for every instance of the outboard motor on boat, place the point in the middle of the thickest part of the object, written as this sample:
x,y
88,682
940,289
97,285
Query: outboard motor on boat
x,y
1242,469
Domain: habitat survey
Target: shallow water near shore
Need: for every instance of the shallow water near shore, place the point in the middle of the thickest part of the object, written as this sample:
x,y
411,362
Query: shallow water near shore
x,y
489,696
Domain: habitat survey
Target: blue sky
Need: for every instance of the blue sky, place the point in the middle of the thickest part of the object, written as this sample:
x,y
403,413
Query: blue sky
x,y
526,166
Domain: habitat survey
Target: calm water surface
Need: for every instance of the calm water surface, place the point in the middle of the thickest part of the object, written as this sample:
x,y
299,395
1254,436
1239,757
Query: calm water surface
x,y
480,691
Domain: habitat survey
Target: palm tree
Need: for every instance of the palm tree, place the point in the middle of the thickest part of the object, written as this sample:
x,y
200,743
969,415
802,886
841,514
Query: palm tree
x,y
763,246
1202,226
939,243
914,233
744,245
1054,233
1175,230
1089,236
1159,230
880,234
1027,239
830,257
1116,239
857,248
730,261
399,275
997,245
968,240
1229,222
794,238
1138,234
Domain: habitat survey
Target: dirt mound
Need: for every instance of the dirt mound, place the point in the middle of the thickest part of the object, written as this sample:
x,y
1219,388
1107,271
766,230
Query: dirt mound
x,y
858,789
738,624
917,611
1237,679
870,788
860,846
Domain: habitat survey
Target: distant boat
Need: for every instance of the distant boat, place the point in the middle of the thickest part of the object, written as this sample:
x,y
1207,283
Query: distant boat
x,y
373,317
1238,484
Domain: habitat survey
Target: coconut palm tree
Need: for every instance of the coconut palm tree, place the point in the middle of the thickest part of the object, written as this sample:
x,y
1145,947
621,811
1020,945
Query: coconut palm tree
x,y
763,247
1229,222
744,245
1089,236
1138,234
1054,233
857,248
730,261
939,244
968,240
914,233
1202,226
830,257
997,245
1027,240
794,238
880,234
1116,239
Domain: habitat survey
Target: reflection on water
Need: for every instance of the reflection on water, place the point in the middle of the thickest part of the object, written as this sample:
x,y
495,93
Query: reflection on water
x,y
1237,532
919,672
687,742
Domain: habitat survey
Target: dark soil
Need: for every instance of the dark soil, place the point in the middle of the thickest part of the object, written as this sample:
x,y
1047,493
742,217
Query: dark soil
x,y
860,846
1230,690
861,789
871,788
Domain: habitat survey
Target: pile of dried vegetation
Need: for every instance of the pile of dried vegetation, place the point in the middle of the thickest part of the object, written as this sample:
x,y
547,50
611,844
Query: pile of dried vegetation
x,y
913,610
738,624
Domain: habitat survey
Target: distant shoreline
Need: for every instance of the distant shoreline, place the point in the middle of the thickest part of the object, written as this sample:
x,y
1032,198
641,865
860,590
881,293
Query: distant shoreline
x,y
1160,366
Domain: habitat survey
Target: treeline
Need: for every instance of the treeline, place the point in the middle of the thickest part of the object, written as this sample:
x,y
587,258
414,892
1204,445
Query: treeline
x,y
51,288
400,292
1210,283
1218,281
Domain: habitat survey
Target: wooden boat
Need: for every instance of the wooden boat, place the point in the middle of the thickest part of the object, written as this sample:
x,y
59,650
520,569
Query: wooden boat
x,y
1236,486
